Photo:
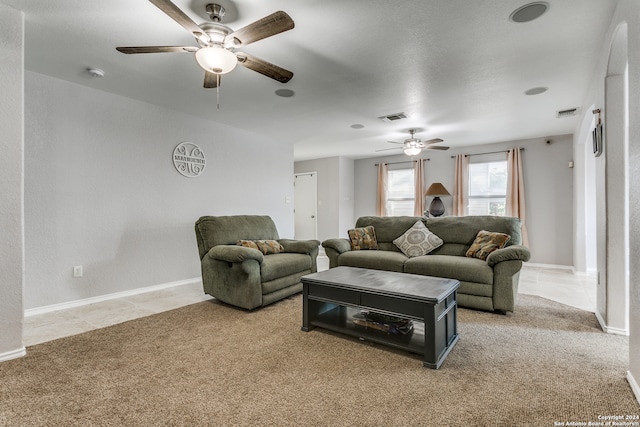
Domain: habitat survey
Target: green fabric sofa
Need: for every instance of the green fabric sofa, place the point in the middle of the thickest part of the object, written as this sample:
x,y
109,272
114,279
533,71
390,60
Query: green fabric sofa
x,y
245,277
486,285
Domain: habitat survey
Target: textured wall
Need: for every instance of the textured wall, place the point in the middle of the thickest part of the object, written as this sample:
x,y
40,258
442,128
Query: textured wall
x,y
11,179
101,190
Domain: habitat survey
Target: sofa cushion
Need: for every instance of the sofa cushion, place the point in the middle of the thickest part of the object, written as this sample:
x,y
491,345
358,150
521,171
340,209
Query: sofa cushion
x,y
377,260
487,242
463,229
451,267
283,264
363,238
417,241
388,228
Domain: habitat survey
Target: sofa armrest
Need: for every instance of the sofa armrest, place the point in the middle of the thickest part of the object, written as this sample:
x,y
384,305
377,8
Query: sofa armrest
x,y
299,246
234,253
510,253
338,245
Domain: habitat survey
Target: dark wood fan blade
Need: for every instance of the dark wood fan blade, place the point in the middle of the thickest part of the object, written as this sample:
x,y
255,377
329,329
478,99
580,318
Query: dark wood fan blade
x,y
181,18
156,49
437,147
387,149
211,80
263,67
268,26
433,141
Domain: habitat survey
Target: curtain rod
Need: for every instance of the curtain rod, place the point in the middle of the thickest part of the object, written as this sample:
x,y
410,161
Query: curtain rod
x,y
397,163
490,152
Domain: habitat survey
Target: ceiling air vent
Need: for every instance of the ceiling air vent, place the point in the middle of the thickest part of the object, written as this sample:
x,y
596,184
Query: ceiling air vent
x,y
393,117
567,113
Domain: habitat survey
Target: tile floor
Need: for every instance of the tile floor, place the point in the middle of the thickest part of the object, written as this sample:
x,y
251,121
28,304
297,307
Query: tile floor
x,y
555,284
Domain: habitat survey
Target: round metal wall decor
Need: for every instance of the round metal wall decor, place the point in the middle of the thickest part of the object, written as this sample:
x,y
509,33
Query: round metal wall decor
x,y
189,159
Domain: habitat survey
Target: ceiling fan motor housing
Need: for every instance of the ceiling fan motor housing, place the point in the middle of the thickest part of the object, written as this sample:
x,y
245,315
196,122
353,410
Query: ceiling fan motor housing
x,y
215,11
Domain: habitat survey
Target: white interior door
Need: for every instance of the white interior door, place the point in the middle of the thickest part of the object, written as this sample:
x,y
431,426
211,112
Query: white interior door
x,y
306,205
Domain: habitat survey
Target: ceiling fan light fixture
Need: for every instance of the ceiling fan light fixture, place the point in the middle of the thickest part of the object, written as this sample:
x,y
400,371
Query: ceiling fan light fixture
x,y
412,151
216,59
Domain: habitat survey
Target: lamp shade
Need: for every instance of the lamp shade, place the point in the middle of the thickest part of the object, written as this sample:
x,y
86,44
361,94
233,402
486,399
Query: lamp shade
x,y
412,151
436,190
216,59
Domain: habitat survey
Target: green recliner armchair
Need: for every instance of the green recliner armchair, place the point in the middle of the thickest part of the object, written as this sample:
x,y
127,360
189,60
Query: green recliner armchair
x,y
245,276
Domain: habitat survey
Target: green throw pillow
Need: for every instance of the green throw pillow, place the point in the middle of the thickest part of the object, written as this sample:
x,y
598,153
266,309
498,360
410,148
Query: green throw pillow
x,y
487,242
363,238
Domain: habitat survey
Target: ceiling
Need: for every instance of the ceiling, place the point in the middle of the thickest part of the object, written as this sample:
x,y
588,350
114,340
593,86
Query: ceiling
x,y
459,69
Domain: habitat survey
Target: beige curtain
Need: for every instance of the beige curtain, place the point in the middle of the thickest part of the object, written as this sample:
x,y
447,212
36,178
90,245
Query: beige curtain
x,y
418,178
381,199
515,190
460,183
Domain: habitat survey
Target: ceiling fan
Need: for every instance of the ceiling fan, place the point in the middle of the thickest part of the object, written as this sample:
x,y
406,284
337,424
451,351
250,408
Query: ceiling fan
x,y
216,51
413,146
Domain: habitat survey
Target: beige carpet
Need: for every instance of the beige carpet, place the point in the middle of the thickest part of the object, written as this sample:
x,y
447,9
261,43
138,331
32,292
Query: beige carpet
x,y
210,364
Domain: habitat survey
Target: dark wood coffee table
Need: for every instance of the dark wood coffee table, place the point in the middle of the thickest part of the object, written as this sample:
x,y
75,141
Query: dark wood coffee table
x,y
331,298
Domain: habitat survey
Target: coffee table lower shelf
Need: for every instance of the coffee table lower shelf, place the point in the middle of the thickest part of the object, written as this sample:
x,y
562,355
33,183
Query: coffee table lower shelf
x,y
339,318
435,347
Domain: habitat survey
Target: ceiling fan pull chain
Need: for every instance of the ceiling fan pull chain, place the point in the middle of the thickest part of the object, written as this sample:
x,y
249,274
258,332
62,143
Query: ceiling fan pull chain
x,y
218,90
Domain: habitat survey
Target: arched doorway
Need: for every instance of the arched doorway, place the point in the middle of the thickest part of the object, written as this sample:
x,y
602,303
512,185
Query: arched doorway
x,y
612,172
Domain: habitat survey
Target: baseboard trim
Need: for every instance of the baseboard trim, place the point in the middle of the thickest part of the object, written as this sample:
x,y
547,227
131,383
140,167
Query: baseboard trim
x,y
550,266
14,354
634,385
609,329
107,297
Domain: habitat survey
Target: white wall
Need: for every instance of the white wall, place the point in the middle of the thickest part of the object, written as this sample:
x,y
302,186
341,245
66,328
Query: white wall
x,y
548,190
11,181
627,13
101,190
346,196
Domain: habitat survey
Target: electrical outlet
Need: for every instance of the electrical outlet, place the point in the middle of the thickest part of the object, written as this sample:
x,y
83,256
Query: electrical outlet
x,y
77,271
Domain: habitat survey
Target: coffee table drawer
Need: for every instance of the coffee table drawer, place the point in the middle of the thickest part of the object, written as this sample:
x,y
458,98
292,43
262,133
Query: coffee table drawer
x,y
396,305
334,294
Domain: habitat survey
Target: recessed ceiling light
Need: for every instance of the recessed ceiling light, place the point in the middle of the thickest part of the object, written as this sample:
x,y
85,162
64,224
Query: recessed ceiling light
x,y
529,12
536,90
357,126
285,93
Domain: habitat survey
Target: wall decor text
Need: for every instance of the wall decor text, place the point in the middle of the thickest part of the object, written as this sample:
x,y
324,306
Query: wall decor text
x,y
189,159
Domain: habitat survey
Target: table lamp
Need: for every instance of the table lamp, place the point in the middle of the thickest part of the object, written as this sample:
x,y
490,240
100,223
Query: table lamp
x,y
436,190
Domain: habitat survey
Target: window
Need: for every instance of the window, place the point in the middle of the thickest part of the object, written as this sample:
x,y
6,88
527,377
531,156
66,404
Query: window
x,y
488,188
400,192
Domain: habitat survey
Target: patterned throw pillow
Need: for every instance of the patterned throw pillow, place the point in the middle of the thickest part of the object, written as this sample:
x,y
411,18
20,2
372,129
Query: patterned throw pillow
x,y
363,238
267,247
487,242
247,244
417,241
